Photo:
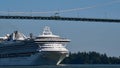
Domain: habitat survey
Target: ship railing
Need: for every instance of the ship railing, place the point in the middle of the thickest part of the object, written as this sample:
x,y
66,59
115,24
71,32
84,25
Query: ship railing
x,y
53,39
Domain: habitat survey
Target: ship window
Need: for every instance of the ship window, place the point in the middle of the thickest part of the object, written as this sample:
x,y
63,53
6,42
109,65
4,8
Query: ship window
x,y
15,55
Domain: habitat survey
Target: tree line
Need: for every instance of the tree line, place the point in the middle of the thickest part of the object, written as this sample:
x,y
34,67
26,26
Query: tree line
x,y
90,58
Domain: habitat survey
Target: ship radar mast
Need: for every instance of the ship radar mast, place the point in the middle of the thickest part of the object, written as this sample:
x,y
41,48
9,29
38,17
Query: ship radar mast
x,y
47,31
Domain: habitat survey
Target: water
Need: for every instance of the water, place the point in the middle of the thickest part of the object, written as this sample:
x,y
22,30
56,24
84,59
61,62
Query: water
x,y
66,66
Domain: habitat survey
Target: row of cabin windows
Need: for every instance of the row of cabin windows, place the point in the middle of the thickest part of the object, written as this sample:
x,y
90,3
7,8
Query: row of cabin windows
x,y
51,47
15,55
27,47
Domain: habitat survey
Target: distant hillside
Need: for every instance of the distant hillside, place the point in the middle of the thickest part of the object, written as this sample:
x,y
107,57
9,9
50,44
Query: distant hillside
x,y
90,58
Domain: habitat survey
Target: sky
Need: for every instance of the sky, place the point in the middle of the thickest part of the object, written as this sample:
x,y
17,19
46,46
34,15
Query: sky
x,y
85,36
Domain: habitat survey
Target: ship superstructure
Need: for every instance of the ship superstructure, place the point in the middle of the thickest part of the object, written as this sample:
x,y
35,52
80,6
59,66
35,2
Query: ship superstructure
x,y
46,49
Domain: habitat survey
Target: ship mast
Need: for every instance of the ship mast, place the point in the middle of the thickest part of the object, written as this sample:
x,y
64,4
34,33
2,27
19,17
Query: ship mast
x,y
47,31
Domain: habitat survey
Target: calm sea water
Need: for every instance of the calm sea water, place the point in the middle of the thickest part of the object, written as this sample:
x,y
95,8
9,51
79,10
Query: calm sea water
x,y
66,66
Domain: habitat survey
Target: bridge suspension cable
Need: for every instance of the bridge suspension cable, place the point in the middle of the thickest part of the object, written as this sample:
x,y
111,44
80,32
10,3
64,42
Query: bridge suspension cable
x,y
56,17
61,11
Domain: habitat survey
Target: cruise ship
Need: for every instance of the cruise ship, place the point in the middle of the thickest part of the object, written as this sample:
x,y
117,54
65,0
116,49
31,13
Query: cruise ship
x,y
45,49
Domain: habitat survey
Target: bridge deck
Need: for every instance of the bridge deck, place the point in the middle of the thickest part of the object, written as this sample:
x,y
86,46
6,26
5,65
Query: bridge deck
x,y
60,18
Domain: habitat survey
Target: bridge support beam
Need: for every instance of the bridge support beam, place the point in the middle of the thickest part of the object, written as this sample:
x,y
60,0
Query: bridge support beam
x,y
61,18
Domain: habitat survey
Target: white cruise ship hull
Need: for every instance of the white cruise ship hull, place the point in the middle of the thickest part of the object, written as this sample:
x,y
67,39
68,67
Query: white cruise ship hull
x,y
46,49
41,58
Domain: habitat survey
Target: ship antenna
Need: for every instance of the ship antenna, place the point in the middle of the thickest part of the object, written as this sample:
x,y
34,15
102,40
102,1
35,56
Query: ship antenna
x,y
47,31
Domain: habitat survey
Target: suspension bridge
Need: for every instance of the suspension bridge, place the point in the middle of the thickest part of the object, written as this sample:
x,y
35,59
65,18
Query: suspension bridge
x,y
59,18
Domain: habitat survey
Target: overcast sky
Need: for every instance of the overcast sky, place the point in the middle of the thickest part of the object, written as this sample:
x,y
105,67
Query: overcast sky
x,y
85,36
